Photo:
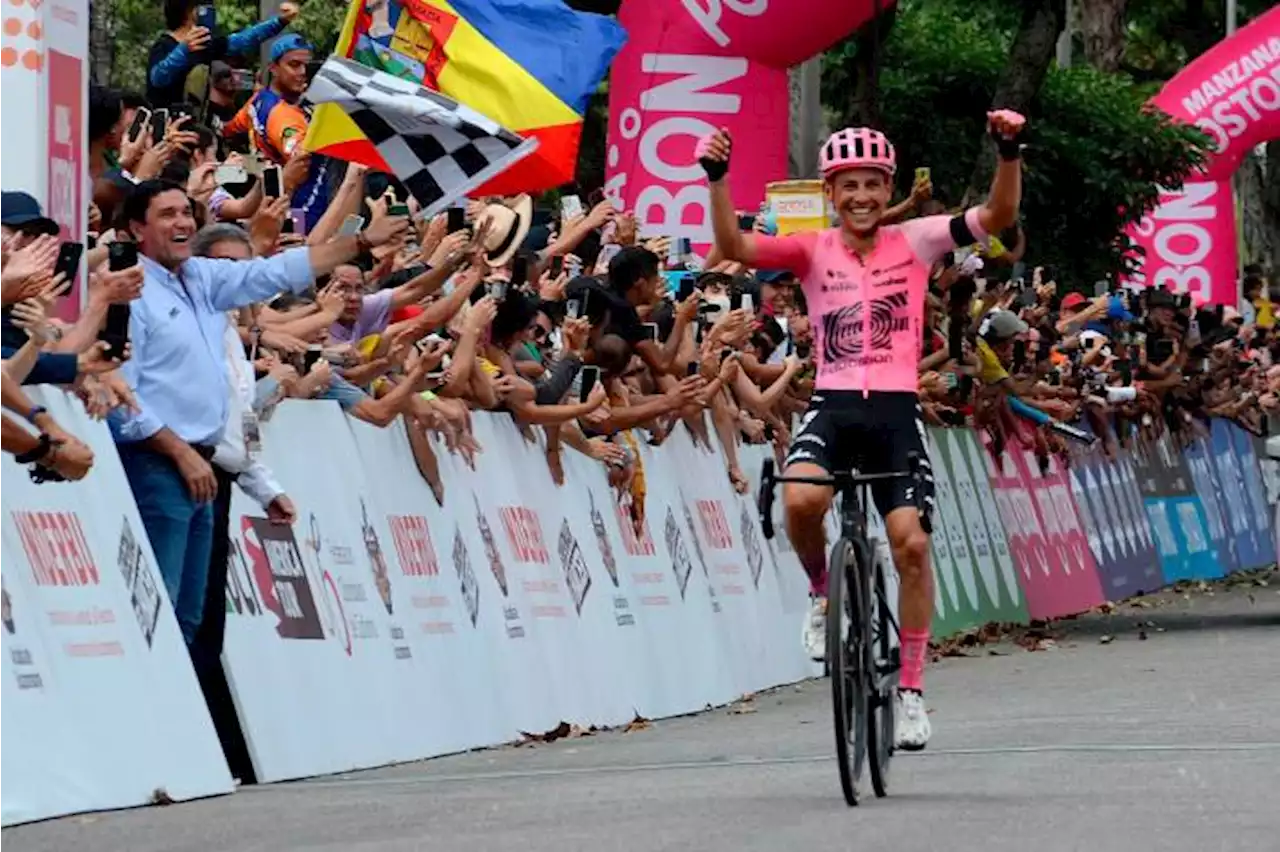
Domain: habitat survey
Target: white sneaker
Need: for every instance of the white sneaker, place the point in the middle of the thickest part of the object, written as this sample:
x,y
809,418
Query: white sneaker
x,y
911,721
814,636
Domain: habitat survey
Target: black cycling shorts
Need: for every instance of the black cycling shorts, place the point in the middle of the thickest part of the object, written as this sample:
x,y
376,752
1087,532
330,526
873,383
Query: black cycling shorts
x,y
843,430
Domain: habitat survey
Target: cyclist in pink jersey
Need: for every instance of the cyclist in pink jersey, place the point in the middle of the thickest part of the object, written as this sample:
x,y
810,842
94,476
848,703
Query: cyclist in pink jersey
x,y
865,284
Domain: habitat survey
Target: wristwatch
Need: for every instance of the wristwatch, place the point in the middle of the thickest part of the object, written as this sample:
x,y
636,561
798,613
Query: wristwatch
x,y
36,411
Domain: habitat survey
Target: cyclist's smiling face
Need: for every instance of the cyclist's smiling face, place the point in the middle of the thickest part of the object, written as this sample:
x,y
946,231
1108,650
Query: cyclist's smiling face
x,y
860,197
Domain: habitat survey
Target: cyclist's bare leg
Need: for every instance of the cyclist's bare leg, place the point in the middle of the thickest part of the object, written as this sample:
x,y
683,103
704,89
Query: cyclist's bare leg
x,y
806,508
910,545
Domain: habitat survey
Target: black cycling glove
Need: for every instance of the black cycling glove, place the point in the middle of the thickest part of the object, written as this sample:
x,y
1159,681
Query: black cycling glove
x,y
1009,148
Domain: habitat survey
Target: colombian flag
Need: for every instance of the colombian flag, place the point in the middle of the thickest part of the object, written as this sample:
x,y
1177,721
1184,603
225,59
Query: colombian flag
x,y
530,65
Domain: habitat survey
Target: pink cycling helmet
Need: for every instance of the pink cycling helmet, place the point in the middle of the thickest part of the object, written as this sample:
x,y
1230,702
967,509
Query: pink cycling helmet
x,y
857,148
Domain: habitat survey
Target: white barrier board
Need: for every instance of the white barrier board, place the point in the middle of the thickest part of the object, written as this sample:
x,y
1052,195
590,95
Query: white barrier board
x,y
387,628
100,705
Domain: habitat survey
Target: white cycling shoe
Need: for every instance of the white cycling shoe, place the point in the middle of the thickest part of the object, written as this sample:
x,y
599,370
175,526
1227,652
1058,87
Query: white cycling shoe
x,y
814,636
912,728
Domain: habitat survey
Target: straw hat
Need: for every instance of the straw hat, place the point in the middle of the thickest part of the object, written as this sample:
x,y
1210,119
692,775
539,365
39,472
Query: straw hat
x,y
508,226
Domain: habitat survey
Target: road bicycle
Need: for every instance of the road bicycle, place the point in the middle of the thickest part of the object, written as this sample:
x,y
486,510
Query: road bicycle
x,y
862,632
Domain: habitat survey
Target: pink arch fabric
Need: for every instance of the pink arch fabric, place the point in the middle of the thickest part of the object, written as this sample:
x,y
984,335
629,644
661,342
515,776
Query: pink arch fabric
x,y
691,66
1232,92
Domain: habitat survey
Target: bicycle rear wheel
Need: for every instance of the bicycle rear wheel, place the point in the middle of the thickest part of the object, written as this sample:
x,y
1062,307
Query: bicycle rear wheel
x,y
885,663
847,630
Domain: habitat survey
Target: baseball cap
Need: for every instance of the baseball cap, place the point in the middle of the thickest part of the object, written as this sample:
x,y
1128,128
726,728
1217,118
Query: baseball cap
x,y
1002,325
1072,301
288,43
21,210
776,276
219,71
1117,311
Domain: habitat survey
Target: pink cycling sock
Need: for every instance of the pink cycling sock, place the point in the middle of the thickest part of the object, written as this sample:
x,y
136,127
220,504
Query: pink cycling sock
x,y
817,578
915,648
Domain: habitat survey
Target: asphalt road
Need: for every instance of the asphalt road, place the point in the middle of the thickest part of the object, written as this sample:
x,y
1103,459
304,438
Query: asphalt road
x,y
1170,743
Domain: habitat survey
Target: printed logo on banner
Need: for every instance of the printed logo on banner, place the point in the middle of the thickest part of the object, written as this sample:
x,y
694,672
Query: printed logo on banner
x,y
282,579
524,534
24,670
56,547
144,592
602,540
697,549
491,549
466,576
751,544
576,575
680,562
377,563
412,538
635,545
715,524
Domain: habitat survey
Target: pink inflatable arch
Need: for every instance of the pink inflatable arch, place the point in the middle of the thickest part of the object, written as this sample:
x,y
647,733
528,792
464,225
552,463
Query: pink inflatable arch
x,y
690,66
1232,92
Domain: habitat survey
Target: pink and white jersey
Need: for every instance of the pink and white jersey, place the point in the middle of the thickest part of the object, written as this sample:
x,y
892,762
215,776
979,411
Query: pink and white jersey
x,y
867,312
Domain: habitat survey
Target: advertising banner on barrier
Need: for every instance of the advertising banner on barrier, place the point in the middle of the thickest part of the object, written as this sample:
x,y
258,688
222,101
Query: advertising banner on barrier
x,y
973,568
1115,523
1255,549
385,627
1048,542
1175,512
101,707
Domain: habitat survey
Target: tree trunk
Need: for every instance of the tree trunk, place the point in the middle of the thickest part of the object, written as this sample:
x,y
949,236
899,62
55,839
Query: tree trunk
x,y
101,45
1271,208
1033,51
1103,31
808,126
870,47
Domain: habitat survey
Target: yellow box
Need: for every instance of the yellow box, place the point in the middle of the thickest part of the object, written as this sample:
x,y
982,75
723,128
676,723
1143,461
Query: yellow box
x,y
798,205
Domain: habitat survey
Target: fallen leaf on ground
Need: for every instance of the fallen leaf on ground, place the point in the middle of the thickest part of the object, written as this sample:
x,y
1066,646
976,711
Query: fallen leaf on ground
x,y
639,723
1106,640
160,796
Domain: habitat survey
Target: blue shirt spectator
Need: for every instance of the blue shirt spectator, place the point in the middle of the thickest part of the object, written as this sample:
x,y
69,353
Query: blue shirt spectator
x,y
178,373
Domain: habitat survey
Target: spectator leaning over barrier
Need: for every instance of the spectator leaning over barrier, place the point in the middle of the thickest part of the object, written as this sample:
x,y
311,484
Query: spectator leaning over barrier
x,y
179,374
188,44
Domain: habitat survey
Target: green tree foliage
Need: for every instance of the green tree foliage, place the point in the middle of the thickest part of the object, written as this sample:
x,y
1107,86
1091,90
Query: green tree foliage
x,y
1094,155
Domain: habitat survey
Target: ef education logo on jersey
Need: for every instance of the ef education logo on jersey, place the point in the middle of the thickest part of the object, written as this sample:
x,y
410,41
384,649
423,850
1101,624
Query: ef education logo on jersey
x,y
845,331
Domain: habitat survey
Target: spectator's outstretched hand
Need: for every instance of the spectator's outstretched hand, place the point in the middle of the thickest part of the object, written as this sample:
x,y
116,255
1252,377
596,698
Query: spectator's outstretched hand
x,y
72,460
118,287
287,12
21,266
30,316
94,361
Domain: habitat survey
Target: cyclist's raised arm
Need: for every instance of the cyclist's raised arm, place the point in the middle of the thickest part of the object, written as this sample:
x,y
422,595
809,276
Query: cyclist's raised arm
x,y
713,154
753,250
1000,210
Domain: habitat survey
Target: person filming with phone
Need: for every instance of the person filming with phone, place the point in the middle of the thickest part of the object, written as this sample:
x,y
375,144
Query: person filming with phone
x,y
192,40
178,372
865,283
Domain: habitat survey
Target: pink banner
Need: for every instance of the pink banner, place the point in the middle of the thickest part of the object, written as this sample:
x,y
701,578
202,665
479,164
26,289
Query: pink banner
x,y
691,67
1232,93
1055,566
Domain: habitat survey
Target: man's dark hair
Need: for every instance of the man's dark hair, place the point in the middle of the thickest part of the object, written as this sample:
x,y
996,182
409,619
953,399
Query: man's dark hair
x,y
515,312
1252,283
138,201
613,354
133,100
104,111
176,11
631,266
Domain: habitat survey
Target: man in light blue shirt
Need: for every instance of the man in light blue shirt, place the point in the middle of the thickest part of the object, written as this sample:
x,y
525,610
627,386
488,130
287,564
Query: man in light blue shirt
x,y
179,375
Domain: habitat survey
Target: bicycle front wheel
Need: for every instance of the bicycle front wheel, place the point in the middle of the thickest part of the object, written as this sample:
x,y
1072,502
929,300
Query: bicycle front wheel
x,y
847,641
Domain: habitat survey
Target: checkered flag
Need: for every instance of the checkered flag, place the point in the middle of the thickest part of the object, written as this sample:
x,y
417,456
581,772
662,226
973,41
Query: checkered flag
x,y
438,148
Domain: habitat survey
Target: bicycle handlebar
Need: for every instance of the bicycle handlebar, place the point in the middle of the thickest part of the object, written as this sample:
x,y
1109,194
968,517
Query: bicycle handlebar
x,y
840,479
